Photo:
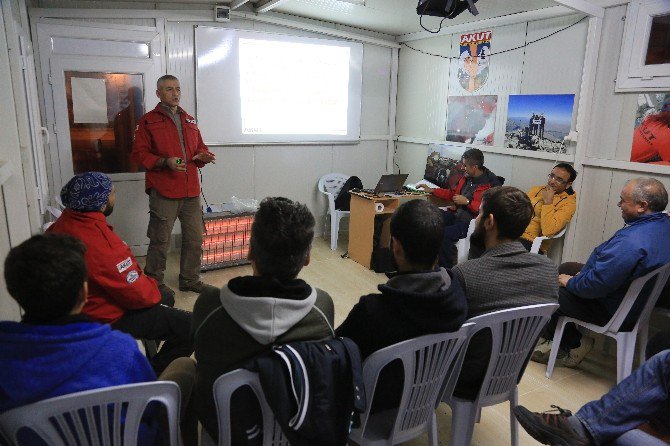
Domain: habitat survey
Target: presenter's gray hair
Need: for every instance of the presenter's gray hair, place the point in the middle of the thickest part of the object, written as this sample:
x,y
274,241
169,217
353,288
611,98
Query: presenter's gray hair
x,y
167,77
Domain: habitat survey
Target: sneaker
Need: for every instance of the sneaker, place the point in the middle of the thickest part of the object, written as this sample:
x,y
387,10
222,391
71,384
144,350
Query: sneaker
x,y
576,355
542,355
164,289
550,428
543,346
196,287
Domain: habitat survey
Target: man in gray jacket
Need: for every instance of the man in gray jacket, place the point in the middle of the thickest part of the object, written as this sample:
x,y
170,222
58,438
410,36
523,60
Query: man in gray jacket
x,y
505,276
252,313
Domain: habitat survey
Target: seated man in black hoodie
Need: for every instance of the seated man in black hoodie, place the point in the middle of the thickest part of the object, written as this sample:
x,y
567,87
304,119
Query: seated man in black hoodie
x,y
419,299
250,314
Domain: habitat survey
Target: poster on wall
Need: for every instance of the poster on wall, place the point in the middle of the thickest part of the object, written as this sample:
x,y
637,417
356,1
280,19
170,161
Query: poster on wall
x,y
443,165
473,61
539,122
651,137
471,119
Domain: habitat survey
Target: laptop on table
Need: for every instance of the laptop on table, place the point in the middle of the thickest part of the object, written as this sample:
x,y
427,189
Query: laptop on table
x,y
388,184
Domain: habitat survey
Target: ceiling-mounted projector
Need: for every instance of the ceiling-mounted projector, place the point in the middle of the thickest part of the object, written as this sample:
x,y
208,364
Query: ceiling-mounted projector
x,y
446,8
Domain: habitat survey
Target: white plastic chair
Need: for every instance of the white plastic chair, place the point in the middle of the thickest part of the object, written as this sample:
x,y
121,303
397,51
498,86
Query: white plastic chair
x,y
463,245
625,340
537,241
514,333
111,415
428,361
330,185
224,387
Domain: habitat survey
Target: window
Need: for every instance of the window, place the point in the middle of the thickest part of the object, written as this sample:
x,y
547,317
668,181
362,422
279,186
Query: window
x,y
645,53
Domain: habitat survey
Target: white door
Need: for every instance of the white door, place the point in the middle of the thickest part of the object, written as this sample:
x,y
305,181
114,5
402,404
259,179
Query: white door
x,y
98,82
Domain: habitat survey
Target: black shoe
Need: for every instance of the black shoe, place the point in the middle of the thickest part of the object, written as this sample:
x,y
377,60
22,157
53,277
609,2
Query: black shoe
x,y
197,287
550,428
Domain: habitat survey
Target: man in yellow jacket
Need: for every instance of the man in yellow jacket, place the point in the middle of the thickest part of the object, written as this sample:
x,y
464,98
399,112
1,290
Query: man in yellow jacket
x,y
554,204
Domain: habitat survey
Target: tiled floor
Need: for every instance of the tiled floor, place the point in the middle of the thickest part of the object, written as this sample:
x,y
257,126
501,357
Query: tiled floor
x,y
346,281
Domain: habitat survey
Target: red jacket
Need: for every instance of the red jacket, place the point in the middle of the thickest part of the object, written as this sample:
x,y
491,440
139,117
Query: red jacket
x,y
116,283
486,181
156,137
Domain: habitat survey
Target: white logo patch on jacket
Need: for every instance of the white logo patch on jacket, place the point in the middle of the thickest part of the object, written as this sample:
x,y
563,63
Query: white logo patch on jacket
x,y
191,121
124,265
132,276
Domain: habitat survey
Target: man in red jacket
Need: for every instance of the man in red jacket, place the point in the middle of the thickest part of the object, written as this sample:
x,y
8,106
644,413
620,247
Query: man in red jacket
x,y
169,146
119,293
466,197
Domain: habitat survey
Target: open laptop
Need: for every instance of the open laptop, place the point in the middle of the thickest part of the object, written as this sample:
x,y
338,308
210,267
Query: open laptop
x,y
389,184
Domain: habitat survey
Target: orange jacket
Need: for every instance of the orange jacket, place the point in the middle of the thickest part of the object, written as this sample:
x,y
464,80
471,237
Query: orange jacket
x,y
156,137
549,219
116,282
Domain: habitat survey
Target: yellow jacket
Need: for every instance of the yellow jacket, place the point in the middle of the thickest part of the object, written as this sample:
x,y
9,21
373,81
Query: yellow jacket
x,y
549,219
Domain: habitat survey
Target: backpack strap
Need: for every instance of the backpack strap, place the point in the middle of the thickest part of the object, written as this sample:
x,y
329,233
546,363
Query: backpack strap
x,y
356,374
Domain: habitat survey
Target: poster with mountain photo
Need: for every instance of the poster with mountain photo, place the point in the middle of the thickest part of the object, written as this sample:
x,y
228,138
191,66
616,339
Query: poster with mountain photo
x,y
539,122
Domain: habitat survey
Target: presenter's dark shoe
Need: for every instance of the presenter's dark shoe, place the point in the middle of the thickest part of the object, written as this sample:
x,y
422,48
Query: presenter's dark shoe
x,y
550,428
196,287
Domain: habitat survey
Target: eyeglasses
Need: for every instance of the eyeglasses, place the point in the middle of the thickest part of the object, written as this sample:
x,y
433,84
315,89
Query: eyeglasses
x,y
559,180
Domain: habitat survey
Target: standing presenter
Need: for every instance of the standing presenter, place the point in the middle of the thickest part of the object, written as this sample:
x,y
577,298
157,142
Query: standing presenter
x,y
169,146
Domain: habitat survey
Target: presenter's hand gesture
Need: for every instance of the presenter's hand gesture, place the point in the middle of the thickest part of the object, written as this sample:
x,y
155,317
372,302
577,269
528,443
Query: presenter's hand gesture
x,y
177,164
461,200
205,157
424,187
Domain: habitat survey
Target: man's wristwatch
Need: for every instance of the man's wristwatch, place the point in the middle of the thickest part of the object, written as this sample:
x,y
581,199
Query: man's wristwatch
x,y
468,203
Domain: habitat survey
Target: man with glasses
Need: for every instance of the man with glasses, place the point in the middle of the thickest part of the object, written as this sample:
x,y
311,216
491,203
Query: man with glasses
x,y
554,205
467,197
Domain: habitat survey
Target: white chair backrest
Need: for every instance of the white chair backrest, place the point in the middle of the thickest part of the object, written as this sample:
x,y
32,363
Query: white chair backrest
x,y
537,241
332,183
427,361
110,416
224,387
514,333
463,245
661,274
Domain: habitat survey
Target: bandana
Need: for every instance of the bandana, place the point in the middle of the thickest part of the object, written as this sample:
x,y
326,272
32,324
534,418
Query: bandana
x,y
87,192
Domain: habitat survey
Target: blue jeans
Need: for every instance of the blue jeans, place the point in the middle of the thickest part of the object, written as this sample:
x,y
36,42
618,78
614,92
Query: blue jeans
x,y
453,231
641,397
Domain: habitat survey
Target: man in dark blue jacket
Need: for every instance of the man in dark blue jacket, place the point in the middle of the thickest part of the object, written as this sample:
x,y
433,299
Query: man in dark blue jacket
x,y
419,299
593,292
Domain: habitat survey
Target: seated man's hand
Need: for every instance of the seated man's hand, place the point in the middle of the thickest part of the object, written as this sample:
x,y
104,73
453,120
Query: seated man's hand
x,y
461,200
177,164
548,195
426,188
563,279
205,157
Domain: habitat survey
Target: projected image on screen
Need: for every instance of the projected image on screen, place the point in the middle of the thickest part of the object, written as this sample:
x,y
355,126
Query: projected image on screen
x,y
293,88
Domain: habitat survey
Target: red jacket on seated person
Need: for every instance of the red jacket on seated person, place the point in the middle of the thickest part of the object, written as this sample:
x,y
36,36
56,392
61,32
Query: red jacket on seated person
x,y
116,282
480,184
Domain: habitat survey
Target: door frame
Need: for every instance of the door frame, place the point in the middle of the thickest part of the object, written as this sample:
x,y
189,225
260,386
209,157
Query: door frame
x,y
153,66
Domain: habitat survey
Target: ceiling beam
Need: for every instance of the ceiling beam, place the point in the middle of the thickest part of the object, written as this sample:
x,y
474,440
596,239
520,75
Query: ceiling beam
x,y
583,6
237,3
266,5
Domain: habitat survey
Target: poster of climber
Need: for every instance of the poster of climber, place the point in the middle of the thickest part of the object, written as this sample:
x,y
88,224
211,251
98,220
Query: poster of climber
x,y
651,137
539,122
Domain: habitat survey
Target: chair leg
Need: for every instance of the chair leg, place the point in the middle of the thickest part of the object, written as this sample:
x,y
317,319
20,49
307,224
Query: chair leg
x,y
625,347
513,424
558,334
334,229
463,415
643,337
432,430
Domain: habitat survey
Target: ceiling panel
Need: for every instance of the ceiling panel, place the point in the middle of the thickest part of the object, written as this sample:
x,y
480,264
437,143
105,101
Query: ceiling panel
x,y
398,16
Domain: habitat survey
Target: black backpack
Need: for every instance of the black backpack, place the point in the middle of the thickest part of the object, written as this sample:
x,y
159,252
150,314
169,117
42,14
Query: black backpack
x,y
343,199
314,388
